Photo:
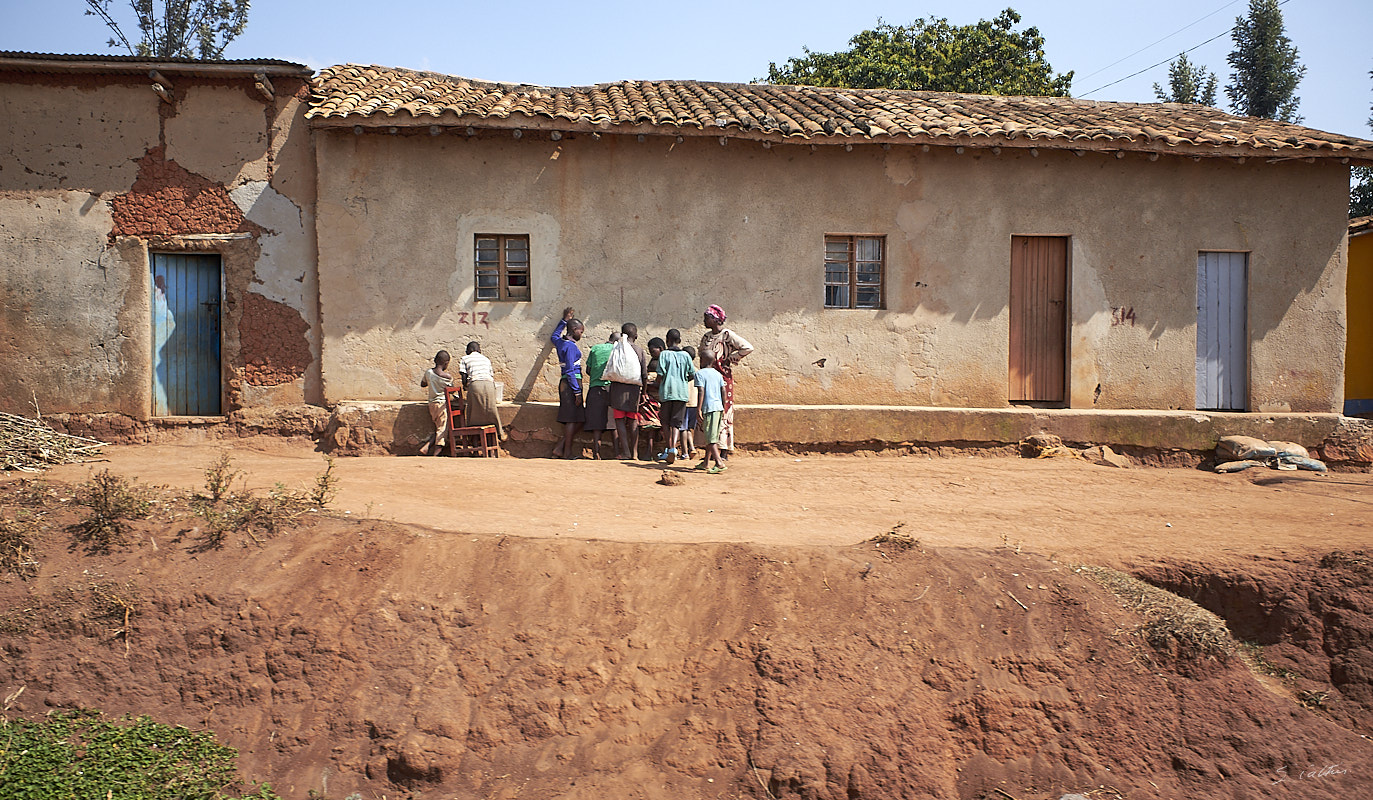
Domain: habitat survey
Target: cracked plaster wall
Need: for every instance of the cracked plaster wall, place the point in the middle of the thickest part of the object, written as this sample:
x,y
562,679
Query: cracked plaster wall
x,y
95,173
652,232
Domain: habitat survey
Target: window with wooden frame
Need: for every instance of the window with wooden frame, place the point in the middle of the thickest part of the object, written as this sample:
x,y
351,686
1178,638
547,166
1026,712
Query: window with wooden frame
x,y
502,267
855,271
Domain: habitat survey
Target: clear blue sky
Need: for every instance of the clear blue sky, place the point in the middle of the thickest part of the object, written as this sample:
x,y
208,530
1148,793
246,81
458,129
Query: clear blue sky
x,y
571,44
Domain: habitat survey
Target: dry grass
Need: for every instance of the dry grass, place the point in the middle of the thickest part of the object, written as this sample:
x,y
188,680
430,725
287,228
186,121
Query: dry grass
x,y
1171,623
897,540
30,445
16,544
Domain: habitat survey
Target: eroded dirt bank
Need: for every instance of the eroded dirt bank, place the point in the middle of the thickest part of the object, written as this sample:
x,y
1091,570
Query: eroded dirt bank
x,y
389,660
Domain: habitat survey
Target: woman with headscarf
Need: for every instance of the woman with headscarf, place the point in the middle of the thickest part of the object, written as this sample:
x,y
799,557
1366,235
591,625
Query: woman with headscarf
x,y
728,348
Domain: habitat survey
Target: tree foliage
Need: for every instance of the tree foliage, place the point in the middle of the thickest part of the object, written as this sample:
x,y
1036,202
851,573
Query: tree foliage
x,y
177,28
1361,185
1188,83
988,57
1266,72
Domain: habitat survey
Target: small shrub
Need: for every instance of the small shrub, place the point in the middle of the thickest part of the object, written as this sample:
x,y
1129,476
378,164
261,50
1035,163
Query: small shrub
x,y
16,545
82,754
112,500
219,477
326,485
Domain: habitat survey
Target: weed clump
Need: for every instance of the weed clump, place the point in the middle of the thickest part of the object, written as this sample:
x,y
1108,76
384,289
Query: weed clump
x,y
898,540
82,753
1171,623
111,502
16,545
256,516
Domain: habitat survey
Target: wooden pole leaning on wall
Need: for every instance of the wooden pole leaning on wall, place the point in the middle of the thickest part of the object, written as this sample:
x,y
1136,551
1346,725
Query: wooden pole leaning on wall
x,y
264,86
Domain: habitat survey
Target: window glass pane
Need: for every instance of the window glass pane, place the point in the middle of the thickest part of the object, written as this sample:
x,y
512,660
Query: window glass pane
x,y
836,250
517,279
517,293
869,298
488,257
840,275
837,296
516,243
517,259
869,273
488,294
488,280
870,249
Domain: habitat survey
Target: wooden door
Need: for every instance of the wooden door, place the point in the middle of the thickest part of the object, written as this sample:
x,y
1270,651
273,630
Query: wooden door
x,y
1039,319
185,295
1222,338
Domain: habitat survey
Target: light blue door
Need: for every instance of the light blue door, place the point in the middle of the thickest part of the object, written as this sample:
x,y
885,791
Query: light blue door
x,y
1222,340
185,292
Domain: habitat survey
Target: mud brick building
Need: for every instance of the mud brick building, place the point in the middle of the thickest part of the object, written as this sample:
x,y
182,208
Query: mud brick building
x,y
879,247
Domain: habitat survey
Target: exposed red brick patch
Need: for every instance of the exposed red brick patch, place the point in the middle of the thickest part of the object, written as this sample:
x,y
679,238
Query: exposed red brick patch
x,y
168,200
272,342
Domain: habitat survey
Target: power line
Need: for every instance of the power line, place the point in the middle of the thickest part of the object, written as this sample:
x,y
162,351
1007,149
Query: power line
x,y
1160,41
1166,60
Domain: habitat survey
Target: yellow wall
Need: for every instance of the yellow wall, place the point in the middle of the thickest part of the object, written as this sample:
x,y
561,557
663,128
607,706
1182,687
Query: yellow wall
x,y
1358,364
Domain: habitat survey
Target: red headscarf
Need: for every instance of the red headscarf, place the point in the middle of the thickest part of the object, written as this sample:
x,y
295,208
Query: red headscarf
x,y
716,312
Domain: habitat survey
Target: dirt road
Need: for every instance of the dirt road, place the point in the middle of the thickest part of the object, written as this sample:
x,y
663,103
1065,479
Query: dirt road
x,y
1051,506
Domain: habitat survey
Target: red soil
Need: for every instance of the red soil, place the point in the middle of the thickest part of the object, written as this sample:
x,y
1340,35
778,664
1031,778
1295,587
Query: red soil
x,y
520,628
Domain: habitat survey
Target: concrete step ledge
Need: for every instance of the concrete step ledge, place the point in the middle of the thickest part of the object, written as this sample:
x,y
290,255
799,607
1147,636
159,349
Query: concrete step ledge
x,y
399,427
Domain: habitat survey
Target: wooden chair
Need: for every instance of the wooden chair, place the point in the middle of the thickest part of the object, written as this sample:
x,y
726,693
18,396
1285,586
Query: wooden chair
x,y
481,441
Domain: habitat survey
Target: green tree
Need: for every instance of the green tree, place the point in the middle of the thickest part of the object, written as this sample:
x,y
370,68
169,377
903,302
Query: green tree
x,y
988,57
1188,83
177,28
1266,72
1361,185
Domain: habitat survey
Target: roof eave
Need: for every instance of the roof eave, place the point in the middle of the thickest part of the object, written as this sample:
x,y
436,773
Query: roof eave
x,y
142,66
403,118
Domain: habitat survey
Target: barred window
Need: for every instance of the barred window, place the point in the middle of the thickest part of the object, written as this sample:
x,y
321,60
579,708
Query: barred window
x,y
502,267
855,267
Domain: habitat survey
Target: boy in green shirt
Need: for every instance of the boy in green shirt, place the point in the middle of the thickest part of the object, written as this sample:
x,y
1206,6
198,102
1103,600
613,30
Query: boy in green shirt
x,y
675,371
598,395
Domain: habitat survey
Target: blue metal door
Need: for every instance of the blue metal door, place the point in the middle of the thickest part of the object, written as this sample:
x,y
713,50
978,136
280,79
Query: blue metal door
x,y
185,292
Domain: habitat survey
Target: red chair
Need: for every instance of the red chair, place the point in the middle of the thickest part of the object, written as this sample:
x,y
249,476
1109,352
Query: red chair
x,y
481,441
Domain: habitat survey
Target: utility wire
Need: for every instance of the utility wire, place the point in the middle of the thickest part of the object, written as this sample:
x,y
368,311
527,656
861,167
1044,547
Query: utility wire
x,y
1166,60
1160,41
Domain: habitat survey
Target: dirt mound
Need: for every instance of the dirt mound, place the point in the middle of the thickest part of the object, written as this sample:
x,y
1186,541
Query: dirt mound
x,y
1310,620
346,656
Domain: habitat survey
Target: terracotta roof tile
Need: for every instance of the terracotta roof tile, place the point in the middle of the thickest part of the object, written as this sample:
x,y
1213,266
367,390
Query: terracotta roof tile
x,y
351,94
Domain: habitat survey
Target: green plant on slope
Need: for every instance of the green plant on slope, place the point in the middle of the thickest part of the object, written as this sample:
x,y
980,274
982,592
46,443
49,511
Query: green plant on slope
x,y
82,755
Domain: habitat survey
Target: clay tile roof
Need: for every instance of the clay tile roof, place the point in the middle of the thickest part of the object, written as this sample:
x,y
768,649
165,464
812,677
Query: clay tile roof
x,y
353,94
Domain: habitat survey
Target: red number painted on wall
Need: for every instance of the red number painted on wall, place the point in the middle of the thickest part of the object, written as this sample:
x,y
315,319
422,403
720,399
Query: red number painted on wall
x,y
474,318
1123,315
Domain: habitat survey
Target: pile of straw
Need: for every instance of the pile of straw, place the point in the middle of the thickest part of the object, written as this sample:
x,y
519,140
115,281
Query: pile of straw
x,y
30,445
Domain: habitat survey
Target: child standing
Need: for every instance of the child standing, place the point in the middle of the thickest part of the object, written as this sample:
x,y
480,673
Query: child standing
x,y
649,407
436,379
571,412
598,419
675,371
693,412
712,386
